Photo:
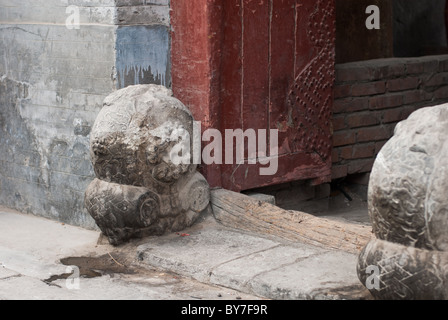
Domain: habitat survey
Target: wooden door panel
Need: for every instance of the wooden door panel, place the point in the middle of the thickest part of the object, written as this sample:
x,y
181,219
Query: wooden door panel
x,y
310,97
256,64
283,47
285,59
232,64
259,64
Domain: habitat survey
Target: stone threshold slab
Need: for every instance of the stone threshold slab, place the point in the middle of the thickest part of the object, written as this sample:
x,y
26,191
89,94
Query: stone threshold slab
x,y
256,265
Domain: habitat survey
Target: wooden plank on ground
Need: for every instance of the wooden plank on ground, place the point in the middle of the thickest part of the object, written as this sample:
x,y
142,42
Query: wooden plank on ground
x,y
242,212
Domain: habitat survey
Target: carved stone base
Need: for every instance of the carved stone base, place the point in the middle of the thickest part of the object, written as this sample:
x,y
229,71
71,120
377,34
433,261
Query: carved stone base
x,y
405,273
408,206
140,190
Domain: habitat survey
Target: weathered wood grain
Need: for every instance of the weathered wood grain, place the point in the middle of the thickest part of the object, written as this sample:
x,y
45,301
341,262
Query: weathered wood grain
x,y
239,211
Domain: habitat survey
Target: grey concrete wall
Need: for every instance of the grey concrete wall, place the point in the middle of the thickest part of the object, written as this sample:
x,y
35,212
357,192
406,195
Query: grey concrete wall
x,y
52,84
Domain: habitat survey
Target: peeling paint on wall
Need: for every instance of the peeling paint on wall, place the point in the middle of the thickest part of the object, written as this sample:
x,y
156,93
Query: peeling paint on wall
x,y
142,55
53,81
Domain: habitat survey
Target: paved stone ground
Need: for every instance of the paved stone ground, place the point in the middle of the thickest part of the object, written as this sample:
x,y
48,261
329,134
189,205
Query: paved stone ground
x,y
31,250
259,265
207,262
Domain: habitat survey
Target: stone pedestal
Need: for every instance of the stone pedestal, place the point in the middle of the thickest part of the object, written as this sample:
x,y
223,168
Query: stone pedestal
x,y
140,190
408,206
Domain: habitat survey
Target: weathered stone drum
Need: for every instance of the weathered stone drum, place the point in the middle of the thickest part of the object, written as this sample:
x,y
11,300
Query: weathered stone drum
x,y
408,206
139,191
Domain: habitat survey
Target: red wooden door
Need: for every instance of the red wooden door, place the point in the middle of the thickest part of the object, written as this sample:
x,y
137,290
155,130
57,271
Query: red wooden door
x,y
268,64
